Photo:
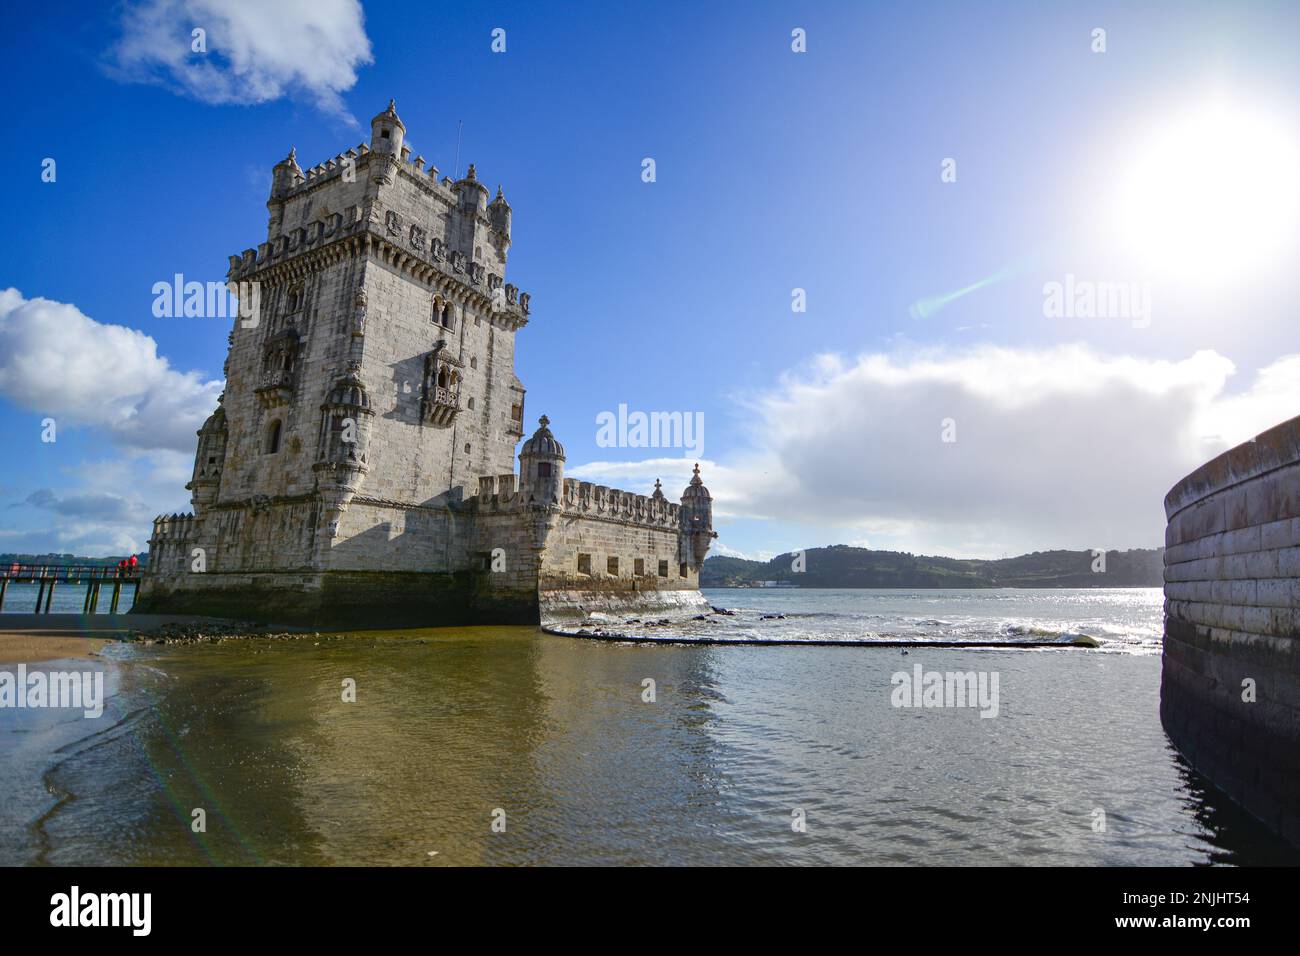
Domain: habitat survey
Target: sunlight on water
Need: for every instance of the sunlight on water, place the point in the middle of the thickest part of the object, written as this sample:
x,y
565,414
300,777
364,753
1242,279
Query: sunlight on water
x,y
451,725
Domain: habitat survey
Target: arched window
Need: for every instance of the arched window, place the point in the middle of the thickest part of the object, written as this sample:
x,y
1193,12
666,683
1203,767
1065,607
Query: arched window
x,y
442,378
273,437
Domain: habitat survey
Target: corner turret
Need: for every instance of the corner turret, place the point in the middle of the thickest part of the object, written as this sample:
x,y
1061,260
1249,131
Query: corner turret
x,y
499,213
697,521
342,461
285,174
209,459
387,131
473,194
541,467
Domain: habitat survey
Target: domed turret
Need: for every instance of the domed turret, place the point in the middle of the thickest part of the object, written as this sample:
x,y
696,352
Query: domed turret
x,y
345,421
696,492
541,466
349,392
209,459
543,443
387,131
499,213
697,520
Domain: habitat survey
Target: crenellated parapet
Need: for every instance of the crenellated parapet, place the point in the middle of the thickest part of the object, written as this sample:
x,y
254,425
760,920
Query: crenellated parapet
x,y
500,494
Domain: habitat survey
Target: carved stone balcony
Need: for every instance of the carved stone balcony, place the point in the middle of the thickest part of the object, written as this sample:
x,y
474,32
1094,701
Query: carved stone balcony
x,y
275,388
441,406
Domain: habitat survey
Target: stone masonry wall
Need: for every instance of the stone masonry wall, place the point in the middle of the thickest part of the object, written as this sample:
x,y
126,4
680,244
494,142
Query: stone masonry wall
x,y
1230,692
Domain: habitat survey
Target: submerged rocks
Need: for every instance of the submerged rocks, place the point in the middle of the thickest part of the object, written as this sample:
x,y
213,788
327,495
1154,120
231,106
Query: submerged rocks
x,y
213,632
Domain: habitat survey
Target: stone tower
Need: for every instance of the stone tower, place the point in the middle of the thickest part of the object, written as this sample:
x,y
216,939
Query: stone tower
x,y
360,462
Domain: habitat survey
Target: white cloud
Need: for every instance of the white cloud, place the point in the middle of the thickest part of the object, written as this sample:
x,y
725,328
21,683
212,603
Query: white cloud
x,y
107,506
257,50
64,365
1061,447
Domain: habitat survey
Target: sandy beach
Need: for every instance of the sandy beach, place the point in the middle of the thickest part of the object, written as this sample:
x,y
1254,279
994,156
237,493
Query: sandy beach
x,y
28,638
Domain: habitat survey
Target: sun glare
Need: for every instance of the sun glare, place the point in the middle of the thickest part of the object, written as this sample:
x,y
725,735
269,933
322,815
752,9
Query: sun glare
x,y
1212,195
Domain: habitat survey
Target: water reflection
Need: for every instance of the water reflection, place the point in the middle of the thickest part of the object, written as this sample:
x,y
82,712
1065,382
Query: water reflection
x,y
449,726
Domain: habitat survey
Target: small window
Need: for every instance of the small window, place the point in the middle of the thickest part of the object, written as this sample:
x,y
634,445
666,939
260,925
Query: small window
x,y
517,413
471,404
543,469
467,446
383,134
273,437
663,569
584,564
638,567
611,566
473,361
681,570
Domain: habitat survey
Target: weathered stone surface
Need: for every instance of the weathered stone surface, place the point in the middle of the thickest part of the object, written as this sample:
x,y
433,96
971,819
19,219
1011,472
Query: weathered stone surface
x,y
1232,624
360,465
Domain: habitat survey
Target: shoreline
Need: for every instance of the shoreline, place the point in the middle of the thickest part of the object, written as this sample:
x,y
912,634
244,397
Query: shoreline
x,y
38,638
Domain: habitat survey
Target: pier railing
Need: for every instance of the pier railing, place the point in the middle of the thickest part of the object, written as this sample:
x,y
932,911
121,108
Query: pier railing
x,y
93,576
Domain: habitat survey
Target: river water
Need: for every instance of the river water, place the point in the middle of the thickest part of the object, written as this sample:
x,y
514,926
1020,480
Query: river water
x,y
745,755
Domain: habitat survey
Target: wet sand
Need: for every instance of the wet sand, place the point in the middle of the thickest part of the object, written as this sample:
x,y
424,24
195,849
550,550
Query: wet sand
x,y
28,638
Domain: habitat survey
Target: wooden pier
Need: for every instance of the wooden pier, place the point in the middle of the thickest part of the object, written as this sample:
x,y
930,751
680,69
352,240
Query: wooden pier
x,y
93,576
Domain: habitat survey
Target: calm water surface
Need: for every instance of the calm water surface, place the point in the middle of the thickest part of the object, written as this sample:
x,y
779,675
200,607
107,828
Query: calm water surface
x,y
450,725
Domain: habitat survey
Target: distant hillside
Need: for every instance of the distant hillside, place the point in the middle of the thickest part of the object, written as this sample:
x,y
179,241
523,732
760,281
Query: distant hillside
x,y
841,566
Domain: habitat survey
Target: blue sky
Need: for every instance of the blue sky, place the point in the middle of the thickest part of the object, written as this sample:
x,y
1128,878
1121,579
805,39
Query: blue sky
x,y
775,171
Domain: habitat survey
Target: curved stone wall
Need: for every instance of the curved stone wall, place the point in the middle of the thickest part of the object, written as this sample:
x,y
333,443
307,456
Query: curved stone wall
x,y
1230,688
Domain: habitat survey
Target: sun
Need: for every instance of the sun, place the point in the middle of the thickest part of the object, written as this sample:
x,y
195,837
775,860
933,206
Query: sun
x,y
1211,195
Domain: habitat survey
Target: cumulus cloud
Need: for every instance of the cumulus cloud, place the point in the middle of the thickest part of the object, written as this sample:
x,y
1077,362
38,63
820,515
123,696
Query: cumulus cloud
x,y
257,51
61,364
1061,447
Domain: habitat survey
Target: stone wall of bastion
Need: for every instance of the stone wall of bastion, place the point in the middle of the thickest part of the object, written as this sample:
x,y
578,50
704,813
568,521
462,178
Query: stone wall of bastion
x,y
1230,691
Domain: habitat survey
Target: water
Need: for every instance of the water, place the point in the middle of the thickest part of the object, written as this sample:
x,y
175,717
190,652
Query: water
x,y
68,598
451,725
1126,620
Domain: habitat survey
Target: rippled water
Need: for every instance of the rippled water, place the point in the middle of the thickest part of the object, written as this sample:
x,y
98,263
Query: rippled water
x,y
451,725
1121,619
